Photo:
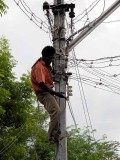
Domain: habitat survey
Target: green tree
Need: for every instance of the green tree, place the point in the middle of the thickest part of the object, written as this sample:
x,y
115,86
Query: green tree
x,y
83,146
22,126
3,7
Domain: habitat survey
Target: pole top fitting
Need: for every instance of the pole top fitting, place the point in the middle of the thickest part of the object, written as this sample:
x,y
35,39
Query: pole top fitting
x,y
72,13
46,5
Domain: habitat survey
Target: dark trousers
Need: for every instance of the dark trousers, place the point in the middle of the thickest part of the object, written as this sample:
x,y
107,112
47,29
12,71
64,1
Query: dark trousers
x,y
51,105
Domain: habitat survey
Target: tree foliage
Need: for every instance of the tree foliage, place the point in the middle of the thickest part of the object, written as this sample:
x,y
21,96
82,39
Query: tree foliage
x,y
22,129
23,126
86,147
3,7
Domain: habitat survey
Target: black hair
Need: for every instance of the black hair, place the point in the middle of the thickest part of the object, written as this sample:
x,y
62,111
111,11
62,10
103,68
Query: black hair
x,y
48,50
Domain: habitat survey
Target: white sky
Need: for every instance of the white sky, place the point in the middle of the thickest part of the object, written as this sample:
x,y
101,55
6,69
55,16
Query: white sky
x,y
27,40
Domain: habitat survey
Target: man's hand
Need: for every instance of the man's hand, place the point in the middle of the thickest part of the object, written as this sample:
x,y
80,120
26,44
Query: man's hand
x,y
59,94
51,91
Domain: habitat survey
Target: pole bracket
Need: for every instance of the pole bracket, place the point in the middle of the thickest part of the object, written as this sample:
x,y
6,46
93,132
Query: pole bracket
x,y
60,7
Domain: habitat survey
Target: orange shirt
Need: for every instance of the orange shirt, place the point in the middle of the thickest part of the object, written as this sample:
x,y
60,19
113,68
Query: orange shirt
x,y
41,73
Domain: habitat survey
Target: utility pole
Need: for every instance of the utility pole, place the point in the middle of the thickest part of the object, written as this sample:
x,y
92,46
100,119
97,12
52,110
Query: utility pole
x,y
60,65
58,33
59,69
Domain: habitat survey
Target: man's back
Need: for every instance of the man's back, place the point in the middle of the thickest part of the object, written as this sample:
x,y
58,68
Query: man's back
x,y
41,73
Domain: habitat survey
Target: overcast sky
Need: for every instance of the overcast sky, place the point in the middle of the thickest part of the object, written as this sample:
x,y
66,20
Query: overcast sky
x,y
27,40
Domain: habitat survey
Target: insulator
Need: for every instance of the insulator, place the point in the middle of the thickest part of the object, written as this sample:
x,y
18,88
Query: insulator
x,y
45,5
69,91
69,87
70,94
72,14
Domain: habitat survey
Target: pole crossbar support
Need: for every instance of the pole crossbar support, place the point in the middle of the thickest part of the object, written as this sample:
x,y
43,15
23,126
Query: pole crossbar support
x,y
92,25
62,7
59,6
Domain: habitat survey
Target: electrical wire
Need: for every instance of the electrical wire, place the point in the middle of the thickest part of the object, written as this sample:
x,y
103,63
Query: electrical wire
x,y
98,59
109,82
50,20
95,84
31,12
4,149
91,7
81,90
86,14
83,99
99,72
36,20
72,114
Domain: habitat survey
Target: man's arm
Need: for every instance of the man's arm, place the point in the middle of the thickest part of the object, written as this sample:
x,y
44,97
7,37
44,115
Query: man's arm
x,y
51,91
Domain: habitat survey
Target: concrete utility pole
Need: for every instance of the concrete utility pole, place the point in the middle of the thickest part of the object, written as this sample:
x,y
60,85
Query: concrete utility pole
x,y
59,67
60,64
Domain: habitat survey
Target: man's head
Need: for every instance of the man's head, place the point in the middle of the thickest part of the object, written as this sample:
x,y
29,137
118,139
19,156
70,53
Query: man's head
x,y
48,54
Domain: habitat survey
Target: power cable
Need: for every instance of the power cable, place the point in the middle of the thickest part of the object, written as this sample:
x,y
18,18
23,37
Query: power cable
x,y
98,59
49,20
31,15
72,114
99,74
82,102
96,86
34,15
82,94
97,83
91,8
4,149
89,65
83,99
